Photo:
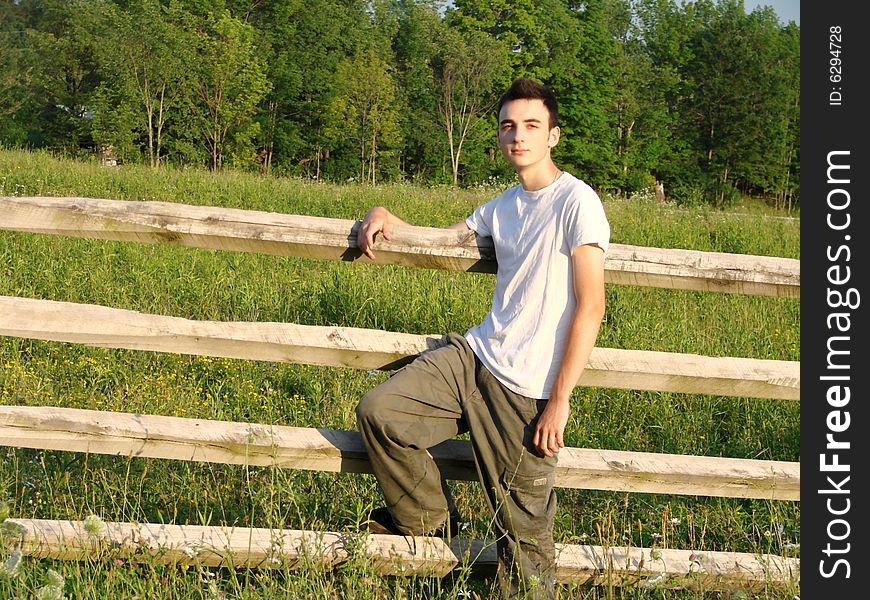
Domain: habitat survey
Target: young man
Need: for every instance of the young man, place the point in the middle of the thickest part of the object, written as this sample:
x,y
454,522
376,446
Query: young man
x,y
509,379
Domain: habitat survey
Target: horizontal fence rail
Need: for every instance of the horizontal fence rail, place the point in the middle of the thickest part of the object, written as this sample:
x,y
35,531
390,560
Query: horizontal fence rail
x,y
200,440
335,239
374,349
214,546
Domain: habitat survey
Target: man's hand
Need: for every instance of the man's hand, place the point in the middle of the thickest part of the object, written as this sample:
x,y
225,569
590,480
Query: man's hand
x,y
377,220
551,426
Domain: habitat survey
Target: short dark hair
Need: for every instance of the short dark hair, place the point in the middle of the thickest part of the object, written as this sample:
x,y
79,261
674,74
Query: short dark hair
x,y
529,89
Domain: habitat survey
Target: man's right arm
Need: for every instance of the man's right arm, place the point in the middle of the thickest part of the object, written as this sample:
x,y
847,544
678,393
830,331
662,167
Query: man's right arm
x,y
380,220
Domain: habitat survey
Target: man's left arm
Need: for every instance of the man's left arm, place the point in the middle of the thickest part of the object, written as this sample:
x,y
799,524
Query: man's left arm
x,y
587,263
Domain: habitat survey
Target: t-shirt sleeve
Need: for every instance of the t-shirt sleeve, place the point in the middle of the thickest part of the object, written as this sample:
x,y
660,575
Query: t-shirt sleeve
x,y
588,223
480,220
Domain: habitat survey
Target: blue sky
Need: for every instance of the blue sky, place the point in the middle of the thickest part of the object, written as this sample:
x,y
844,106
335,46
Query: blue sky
x,y
788,10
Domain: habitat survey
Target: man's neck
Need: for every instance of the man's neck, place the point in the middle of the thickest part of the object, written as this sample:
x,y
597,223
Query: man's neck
x,y
539,178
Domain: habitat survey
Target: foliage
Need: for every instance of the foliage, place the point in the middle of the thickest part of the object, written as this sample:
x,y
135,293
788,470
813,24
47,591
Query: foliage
x,y
699,96
363,112
466,70
231,84
144,85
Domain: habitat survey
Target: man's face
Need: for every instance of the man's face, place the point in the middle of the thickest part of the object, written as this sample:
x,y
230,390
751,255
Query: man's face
x,y
524,133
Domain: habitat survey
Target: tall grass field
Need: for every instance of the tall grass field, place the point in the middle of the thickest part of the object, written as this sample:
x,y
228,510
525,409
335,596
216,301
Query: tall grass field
x,y
216,285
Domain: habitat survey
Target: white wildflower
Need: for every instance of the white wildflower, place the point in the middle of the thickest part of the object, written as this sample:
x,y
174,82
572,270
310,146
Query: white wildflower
x,y
94,525
54,578
10,568
50,592
12,529
654,581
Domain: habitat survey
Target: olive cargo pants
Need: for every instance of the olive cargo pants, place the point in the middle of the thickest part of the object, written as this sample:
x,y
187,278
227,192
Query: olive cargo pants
x,y
445,392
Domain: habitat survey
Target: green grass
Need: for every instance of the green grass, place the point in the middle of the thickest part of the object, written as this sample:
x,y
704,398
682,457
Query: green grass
x,y
202,284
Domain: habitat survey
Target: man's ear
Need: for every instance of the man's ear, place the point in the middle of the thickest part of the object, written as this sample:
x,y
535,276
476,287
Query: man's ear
x,y
555,133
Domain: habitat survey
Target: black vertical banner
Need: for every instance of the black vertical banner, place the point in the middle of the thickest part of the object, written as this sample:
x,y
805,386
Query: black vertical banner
x,y
835,367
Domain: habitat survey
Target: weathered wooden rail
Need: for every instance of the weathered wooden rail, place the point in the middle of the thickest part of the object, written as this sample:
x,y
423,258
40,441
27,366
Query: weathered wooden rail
x,y
335,239
394,555
201,440
373,349
156,436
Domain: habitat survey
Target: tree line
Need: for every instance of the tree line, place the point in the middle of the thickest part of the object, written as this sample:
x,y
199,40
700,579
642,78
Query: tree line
x,y
698,95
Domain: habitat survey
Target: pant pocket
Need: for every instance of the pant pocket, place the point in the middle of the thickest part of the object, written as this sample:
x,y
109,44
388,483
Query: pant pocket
x,y
529,501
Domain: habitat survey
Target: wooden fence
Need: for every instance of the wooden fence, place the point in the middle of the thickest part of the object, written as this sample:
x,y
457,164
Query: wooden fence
x,y
176,438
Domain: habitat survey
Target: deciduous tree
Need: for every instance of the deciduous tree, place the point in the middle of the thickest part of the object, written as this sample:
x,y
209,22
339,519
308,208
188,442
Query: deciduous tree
x,y
468,68
230,85
364,111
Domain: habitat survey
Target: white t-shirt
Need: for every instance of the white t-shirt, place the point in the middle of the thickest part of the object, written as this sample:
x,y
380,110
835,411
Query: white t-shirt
x,y
522,339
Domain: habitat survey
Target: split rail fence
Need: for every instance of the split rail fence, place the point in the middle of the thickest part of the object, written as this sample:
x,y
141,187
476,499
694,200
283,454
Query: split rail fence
x,y
156,436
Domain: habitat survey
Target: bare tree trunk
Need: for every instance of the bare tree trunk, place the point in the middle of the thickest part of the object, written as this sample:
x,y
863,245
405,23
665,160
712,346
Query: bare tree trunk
x,y
724,182
373,157
149,113
317,160
270,136
160,122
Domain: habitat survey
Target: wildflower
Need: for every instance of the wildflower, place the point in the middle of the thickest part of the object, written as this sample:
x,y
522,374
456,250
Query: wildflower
x,y
10,568
675,521
54,578
94,525
654,581
12,529
48,592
